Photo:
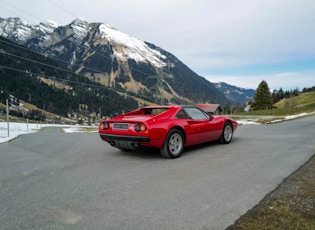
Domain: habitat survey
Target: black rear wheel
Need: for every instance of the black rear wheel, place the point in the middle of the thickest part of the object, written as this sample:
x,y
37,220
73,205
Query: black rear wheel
x,y
173,145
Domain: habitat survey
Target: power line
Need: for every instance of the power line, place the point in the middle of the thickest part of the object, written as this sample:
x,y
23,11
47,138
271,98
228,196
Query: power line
x,y
55,78
51,66
11,5
54,67
9,10
69,62
41,63
51,57
63,8
158,84
66,80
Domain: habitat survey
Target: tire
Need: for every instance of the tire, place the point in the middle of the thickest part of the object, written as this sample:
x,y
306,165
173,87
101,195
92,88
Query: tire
x,y
227,134
173,145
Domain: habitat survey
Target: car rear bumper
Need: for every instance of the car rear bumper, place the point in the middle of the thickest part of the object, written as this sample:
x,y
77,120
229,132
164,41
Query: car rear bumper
x,y
125,142
124,138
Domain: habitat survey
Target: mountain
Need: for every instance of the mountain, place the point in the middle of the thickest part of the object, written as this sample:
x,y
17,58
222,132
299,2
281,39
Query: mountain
x,y
30,77
235,94
20,31
115,60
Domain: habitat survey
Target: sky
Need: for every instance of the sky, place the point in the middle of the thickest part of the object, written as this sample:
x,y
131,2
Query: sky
x,y
239,42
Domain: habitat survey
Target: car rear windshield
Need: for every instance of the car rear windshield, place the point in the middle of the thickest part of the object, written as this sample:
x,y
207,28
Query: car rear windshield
x,y
154,111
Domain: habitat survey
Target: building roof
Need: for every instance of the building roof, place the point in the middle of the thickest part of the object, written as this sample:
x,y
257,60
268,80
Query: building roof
x,y
210,108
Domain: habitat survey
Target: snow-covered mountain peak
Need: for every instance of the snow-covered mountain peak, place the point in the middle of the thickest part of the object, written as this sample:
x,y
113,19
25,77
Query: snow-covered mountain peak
x,y
21,31
80,28
17,29
124,46
13,21
79,22
47,27
133,48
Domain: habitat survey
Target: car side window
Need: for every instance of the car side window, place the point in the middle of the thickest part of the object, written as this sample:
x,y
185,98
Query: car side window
x,y
196,114
182,115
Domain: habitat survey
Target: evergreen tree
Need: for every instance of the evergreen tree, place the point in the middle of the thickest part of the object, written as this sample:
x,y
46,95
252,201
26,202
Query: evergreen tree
x,y
281,94
262,97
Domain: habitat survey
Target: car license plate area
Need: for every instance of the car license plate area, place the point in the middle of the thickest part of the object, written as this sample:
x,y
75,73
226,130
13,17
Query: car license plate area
x,y
126,145
121,126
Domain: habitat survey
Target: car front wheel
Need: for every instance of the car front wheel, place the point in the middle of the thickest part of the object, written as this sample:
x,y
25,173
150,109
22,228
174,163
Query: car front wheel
x,y
227,133
173,145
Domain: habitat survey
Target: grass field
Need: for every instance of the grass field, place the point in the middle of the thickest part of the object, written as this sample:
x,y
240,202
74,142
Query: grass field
x,y
304,103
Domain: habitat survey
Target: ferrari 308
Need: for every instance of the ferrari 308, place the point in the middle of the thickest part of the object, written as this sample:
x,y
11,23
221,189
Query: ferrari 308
x,y
169,128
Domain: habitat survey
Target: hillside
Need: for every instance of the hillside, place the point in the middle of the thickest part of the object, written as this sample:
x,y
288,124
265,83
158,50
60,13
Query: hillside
x,y
305,102
35,79
286,109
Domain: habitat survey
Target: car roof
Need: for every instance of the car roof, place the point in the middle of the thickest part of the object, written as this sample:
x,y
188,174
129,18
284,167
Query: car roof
x,y
169,106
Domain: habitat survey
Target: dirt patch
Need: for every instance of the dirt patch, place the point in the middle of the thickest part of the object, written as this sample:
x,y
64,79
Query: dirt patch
x,y
290,206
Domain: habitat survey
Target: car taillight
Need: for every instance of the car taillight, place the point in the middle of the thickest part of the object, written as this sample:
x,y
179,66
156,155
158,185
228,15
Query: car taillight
x,y
104,125
139,127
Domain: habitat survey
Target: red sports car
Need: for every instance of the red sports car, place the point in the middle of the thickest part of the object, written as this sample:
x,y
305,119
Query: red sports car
x,y
168,128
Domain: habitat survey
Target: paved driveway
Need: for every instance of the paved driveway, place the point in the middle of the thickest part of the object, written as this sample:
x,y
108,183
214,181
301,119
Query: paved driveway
x,y
54,180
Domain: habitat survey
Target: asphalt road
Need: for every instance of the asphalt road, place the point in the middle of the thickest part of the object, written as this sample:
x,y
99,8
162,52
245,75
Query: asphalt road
x,y
54,180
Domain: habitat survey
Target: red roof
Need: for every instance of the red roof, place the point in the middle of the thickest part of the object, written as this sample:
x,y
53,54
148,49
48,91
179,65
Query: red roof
x,y
208,107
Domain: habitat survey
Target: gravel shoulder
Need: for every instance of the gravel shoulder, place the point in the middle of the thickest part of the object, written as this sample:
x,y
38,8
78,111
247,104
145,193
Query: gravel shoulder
x,y
290,206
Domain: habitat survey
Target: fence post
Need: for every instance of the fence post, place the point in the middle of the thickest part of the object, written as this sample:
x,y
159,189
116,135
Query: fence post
x,y
8,125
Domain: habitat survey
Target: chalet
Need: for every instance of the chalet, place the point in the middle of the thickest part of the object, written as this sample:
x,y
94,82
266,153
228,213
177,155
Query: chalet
x,y
214,109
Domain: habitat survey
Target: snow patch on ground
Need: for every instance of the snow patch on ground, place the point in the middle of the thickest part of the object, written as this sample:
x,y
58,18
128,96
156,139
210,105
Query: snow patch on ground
x,y
291,117
79,129
247,122
252,120
16,129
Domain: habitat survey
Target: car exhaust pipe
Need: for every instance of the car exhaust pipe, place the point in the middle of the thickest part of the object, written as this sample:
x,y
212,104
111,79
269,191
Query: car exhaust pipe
x,y
112,143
